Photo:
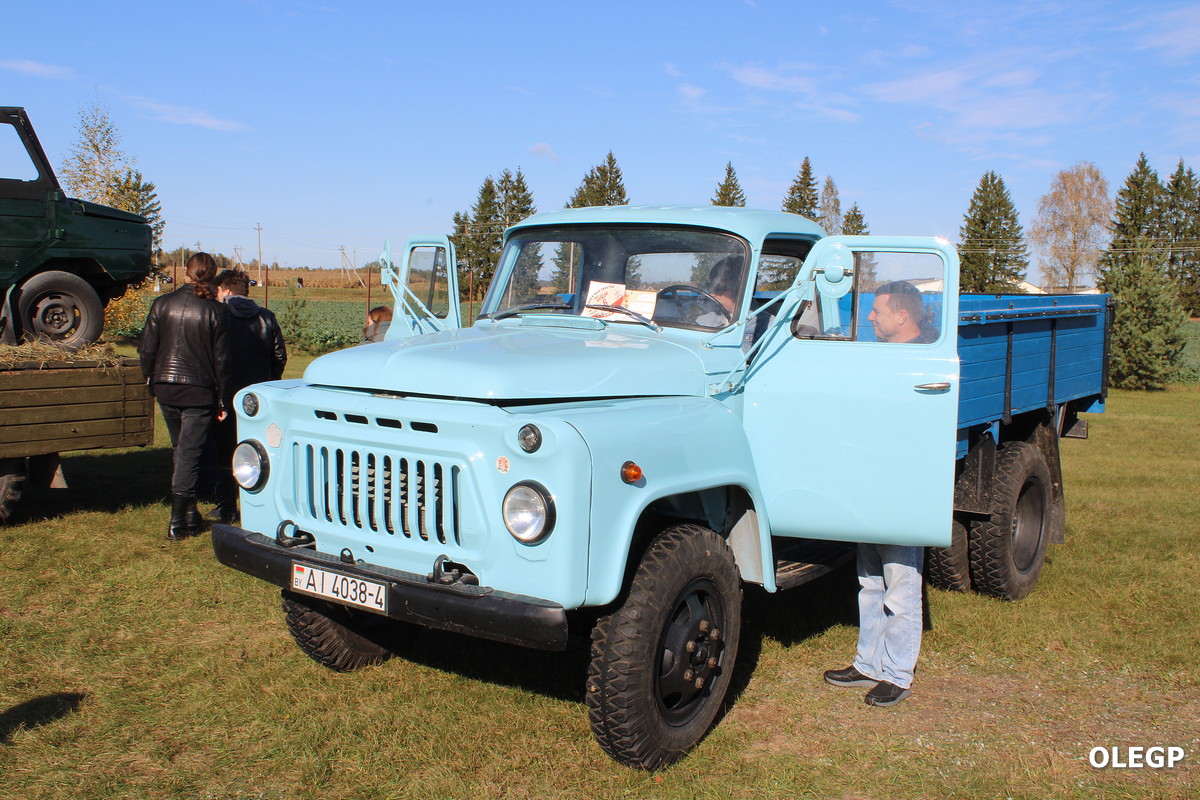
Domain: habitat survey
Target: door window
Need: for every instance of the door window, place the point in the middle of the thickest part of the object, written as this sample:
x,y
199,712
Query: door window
x,y
427,279
897,297
15,163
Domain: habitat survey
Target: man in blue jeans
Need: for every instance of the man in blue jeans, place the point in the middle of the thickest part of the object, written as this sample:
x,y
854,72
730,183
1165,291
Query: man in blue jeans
x,y
889,623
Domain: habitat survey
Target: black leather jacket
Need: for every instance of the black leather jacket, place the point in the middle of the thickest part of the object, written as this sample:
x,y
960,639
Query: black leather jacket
x,y
255,343
186,341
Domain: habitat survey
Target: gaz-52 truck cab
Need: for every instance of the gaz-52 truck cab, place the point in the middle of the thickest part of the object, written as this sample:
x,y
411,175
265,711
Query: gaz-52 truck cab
x,y
655,406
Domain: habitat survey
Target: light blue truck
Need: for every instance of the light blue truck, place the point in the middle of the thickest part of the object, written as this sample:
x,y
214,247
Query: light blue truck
x,y
655,406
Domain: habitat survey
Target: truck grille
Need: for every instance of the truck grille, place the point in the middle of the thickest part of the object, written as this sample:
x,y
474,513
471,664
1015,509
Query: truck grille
x,y
384,493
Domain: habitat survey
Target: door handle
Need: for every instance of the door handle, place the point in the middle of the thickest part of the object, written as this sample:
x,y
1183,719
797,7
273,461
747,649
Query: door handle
x,y
933,387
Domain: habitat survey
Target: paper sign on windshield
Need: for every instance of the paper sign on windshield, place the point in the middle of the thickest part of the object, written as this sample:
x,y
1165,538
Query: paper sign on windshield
x,y
615,294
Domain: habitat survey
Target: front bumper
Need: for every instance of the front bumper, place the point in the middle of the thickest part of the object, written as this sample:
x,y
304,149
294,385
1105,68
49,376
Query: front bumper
x,y
474,610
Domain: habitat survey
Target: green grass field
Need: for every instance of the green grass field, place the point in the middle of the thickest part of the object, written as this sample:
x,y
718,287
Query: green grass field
x,y
130,668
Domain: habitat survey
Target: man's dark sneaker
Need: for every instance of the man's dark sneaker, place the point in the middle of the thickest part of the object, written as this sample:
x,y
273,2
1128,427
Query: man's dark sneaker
x,y
886,694
849,677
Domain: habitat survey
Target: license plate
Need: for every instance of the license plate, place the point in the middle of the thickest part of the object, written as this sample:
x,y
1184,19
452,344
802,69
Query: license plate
x,y
345,589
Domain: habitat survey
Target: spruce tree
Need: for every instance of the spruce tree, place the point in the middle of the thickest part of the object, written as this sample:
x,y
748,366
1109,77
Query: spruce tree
x,y
729,191
603,185
131,192
992,253
1147,330
1181,219
802,197
829,214
476,239
854,224
516,203
1138,221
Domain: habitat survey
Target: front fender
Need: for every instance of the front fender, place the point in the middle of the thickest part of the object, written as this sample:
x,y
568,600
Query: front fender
x,y
683,445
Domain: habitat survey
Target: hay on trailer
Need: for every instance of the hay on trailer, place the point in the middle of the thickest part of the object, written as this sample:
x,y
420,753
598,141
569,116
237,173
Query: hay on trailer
x,y
42,355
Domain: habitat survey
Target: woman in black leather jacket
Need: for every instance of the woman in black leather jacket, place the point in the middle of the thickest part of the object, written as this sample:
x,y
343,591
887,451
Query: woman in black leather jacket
x,y
185,358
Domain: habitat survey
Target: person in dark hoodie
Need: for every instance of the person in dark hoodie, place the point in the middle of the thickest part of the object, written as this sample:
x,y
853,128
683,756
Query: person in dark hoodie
x,y
257,353
185,358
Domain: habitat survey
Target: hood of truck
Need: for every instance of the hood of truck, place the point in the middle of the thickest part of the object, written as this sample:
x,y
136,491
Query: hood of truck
x,y
108,212
511,361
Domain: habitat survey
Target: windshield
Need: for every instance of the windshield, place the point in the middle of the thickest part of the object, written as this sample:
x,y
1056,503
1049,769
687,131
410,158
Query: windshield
x,y
678,277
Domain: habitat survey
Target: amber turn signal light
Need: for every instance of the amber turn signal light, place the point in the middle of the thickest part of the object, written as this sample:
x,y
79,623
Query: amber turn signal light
x,y
631,472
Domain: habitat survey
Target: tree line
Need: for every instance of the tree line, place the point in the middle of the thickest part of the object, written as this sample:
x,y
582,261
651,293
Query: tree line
x,y
1144,247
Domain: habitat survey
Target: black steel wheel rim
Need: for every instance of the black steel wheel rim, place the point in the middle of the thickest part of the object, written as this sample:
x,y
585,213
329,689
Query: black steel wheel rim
x,y
55,315
1028,524
691,646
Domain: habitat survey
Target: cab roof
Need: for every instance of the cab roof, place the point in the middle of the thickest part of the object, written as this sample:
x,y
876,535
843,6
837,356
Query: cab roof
x,y
752,224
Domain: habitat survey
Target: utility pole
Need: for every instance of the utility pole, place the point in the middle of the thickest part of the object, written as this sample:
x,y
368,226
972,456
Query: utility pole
x,y
258,227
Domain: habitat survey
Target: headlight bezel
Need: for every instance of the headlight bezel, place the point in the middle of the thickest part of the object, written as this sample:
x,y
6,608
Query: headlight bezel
x,y
251,405
548,512
263,466
529,438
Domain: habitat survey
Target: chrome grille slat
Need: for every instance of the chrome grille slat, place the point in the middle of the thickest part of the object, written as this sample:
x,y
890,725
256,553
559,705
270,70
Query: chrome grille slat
x,y
379,493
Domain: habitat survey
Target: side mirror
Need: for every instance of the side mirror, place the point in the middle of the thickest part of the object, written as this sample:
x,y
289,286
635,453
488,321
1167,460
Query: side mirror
x,y
834,271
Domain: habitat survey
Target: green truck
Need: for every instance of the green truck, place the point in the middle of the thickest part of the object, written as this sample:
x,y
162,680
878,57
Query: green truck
x,y
61,260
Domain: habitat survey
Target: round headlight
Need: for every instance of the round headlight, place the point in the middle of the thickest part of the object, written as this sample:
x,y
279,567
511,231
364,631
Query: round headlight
x,y
528,512
530,438
250,404
250,465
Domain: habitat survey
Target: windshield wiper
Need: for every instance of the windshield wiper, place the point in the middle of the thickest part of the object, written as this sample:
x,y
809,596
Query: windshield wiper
x,y
649,323
510,312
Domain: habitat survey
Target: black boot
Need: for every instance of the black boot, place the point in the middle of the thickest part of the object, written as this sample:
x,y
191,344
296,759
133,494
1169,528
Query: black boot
x,y
192,517
226,511
180,528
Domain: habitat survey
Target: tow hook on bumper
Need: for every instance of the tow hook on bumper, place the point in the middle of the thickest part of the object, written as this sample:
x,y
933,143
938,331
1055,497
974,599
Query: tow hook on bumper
x,y
455,602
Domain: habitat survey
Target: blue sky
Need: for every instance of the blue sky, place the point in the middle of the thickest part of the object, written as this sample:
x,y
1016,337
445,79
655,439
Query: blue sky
x,y
341,124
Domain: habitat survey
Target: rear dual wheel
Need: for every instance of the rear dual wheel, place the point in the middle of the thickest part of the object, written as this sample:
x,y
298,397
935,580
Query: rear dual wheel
x,y
1008,548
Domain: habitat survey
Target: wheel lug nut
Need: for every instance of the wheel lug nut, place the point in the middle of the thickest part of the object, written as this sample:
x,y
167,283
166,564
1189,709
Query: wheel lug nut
x,y
691,647
699,683
704,626
714,634
712,663
688,675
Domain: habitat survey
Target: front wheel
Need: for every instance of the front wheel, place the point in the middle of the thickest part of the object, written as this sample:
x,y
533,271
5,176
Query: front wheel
x,y
61,307
662,662
337,637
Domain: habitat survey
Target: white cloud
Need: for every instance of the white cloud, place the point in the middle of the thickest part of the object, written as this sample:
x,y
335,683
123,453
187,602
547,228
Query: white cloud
x,y
672,70
760,78
37,69
182,115
694,99
544,149
1176,33
987,100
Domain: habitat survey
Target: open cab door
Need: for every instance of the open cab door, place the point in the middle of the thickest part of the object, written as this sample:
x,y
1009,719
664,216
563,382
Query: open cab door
x,y
425,285
852,408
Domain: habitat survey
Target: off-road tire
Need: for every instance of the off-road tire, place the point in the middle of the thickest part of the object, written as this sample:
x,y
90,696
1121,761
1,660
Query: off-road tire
x,y
643,704
337,637
12,485
949,568
1008,549
61,307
